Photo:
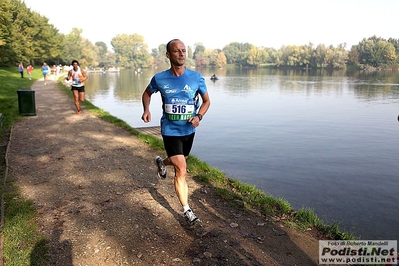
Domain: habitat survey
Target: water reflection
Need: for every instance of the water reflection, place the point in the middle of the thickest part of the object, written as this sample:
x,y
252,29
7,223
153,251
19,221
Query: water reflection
x,y
255,88
125,85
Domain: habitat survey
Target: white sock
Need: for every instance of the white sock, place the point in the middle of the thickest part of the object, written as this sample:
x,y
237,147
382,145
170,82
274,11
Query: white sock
x,y
186,208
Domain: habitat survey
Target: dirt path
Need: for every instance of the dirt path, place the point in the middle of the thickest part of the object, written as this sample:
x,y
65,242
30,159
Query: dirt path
x,y
101,203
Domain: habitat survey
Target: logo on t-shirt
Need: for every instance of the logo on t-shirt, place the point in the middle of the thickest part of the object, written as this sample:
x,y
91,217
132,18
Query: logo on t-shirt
x,y
187,89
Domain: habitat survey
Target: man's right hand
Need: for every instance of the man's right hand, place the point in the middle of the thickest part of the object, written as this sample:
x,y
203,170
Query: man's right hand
x,y
146,117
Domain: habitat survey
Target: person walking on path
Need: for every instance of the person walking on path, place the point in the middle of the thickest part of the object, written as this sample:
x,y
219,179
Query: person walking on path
x,y
54,70
29,71
180,89
78,77
21,69
45,71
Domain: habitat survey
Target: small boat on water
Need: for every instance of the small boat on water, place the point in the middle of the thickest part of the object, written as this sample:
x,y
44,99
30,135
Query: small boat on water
x,y
213,77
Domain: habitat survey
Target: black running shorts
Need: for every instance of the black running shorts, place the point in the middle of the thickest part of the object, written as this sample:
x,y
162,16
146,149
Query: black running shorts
x,y
79,89
177,145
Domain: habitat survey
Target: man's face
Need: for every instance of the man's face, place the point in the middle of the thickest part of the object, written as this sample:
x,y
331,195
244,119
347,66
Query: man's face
x,y
177,53
75,65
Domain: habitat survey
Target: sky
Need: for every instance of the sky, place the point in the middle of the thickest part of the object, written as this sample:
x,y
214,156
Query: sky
x,y
216,24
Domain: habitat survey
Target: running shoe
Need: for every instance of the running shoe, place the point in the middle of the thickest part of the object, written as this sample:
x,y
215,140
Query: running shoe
x,y
191,218
78,112
161,167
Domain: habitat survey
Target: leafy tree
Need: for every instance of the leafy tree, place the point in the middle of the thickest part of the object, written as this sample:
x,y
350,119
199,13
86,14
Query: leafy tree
x,y
320,55
221,60
199,55
376,51
395,43
6,52
131,51
49,43
160,59
89,54
237,53
385,53
232,53
353,55
20,15
257,56
274,57
290,55
200,59
340,57
73,46
306,56
199,51
102,50
111,59
329,57
211,56
25,35
81,49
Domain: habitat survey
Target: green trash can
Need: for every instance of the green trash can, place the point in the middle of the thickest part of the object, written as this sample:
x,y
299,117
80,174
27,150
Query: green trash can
x,y
26,102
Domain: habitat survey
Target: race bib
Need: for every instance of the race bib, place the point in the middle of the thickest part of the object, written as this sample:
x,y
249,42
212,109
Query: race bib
x,y
76,82
179,111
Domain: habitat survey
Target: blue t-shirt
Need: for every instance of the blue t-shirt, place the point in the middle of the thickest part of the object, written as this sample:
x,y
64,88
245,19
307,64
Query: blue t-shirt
x,y
45,69
180,100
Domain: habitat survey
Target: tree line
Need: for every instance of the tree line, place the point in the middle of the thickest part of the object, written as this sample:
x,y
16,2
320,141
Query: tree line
x,y
27,37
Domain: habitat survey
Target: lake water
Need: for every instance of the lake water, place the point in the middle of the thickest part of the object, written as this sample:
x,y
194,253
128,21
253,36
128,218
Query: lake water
x,y
324,140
